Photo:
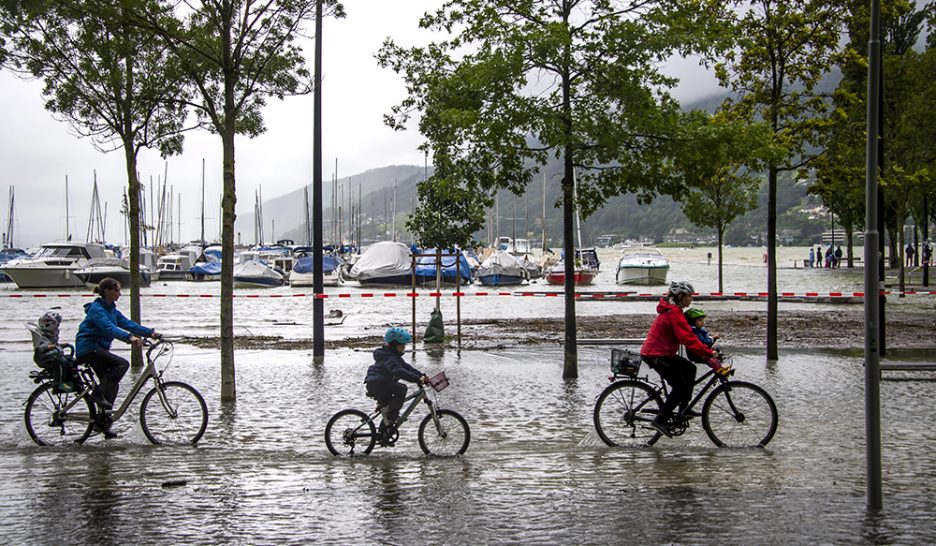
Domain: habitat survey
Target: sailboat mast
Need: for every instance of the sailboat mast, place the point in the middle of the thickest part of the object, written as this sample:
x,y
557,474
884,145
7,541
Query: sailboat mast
x,y
202,203
545,245
67,234
393,219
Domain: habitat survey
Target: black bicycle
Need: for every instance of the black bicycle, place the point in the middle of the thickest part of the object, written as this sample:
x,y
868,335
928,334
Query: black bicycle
x,y
442,432
734,413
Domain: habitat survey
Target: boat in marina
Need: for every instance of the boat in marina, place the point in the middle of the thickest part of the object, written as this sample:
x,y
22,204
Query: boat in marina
x,y
54,265
10,255
583,275
114,268
501,269
427,266
175,267
257,274
642,265
385,263
205,271
303,272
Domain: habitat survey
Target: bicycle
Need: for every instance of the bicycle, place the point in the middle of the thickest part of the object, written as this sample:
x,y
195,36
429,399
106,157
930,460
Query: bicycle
x,y
172,412
735,413
442,432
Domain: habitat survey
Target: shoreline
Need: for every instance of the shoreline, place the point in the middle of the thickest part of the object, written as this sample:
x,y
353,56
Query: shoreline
x,y
795,329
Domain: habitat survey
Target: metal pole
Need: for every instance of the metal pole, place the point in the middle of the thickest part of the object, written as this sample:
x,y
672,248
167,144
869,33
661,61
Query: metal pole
x,y
871,282
318,280
413,299
458,255
925,239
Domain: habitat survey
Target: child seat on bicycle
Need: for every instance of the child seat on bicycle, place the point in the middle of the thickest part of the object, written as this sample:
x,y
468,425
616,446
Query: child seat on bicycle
x,y
696,319
661,347
388,368
50,354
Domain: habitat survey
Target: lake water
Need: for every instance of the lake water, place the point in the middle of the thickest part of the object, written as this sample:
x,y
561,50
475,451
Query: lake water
x,y
535,470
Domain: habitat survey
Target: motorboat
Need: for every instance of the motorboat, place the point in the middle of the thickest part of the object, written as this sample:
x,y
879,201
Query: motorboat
x,y
10,255
384,263
257,274
427,267
114,268
303,272
642,265
175,267
530,268
54,265
501,269
205,271
583,275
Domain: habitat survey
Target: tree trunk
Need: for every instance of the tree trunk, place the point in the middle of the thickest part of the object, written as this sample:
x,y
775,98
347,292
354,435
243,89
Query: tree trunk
x,y
133,203
849,243
772,353
228,200
570,363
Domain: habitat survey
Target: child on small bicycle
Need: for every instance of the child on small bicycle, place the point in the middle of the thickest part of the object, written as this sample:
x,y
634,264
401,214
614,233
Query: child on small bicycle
x,y
388,368
50,354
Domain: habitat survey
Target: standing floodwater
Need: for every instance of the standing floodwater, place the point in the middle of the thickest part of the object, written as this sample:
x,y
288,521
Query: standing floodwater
x,y
535,470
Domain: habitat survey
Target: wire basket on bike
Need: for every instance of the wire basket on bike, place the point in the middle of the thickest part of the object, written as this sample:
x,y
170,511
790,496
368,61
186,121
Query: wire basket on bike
x,y
439,381
624,362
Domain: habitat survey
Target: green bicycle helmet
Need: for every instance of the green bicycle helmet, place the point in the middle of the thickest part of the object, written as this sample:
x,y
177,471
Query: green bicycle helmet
x,y
397,335
693,313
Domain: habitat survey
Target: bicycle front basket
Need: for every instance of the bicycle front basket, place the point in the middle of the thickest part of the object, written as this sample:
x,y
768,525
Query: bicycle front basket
x,y
624,362
438,381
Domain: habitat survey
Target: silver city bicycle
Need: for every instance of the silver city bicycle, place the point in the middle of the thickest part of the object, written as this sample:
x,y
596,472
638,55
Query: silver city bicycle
x,y
172,412
442,432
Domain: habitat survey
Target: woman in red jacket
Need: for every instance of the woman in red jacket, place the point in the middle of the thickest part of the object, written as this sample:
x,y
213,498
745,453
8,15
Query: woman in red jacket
x,y
660,351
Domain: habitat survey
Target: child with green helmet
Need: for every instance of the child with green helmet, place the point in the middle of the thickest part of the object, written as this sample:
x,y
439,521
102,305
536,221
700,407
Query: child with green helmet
x,y
696,319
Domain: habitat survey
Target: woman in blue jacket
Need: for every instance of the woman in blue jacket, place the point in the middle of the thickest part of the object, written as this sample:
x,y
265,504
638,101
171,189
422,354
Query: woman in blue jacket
x,y
102,324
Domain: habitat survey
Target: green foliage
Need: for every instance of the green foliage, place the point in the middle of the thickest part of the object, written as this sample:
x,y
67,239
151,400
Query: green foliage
x,y
110,80
452,218
518,83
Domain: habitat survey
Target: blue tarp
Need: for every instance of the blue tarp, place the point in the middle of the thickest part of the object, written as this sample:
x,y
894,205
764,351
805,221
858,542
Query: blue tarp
x,y
426,266
206,268
329,264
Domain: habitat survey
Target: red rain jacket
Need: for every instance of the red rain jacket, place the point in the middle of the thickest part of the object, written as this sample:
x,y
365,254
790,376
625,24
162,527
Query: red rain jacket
x,y
670,330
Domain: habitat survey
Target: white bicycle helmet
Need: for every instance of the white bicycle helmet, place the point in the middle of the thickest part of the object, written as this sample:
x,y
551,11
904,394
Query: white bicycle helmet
x,y
680,288
49,322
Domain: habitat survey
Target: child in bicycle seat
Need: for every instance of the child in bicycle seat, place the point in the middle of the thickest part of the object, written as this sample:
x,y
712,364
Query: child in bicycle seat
x,y
696,319
388,368
49,354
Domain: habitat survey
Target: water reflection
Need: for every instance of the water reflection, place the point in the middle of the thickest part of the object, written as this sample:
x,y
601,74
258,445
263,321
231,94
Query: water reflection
x,y
534,472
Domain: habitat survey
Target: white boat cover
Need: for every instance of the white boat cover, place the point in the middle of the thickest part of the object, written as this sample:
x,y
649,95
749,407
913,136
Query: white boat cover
x,y
501,263
258,272
383,259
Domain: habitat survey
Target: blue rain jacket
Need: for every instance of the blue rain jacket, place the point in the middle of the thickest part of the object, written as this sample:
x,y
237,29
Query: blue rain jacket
x,y
102,324
389,367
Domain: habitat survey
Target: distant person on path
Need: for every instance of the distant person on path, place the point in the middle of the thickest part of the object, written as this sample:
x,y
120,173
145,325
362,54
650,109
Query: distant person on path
x,y
384,374
909,252
812,257
660,352
927,253
102,324
818,256
838,256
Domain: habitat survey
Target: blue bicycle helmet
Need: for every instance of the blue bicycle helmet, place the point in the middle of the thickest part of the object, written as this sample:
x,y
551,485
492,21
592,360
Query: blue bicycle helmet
x,y
397,335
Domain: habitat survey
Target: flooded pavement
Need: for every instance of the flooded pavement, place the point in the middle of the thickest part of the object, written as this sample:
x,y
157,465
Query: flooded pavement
x,y
535,471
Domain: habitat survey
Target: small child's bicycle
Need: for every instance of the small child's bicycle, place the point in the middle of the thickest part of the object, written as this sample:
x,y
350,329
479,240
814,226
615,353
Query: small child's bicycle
x,y
442,433
172,412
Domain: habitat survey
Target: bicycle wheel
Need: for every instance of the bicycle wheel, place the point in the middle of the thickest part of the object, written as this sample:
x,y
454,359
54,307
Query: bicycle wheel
x,y
178,417
450,438
623,413
49,425
348,430
739,414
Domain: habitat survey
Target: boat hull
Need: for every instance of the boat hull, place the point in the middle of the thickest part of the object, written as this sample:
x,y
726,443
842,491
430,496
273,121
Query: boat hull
x,y
582,277
392,280
44,277
642,275
257,282
307,279
497,279
91,277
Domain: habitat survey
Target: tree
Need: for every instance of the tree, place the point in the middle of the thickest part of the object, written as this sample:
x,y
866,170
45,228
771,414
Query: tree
x,y
236,54
783,50
108,79
719,167
577,80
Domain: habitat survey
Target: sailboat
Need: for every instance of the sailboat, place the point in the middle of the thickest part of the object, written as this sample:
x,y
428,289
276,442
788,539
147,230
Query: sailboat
x,y
586,260
9,251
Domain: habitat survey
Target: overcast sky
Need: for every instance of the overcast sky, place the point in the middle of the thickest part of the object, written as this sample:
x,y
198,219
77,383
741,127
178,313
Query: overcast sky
x,y
37,152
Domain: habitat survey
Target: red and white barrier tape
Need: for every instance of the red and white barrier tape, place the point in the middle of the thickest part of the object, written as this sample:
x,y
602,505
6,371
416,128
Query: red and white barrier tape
x,y
579,295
